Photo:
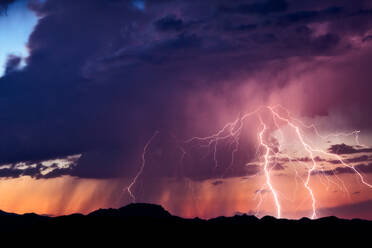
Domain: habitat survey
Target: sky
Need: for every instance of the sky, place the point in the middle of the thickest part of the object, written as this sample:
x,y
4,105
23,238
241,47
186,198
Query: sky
x,y
208,108
14,32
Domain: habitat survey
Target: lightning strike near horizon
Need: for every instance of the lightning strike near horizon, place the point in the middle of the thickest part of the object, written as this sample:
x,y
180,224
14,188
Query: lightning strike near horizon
x,y
310,152
232,134
266,169
134,180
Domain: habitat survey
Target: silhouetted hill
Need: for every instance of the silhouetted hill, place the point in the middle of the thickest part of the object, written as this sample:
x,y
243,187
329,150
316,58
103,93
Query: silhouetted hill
x,y
134,210
148,220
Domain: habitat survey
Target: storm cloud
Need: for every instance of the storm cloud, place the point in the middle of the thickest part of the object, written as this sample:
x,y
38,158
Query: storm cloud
x,y
346,149
103,76
4,4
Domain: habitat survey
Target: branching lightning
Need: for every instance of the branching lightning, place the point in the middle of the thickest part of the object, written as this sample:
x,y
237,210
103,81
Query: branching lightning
x,y
310,152
269,152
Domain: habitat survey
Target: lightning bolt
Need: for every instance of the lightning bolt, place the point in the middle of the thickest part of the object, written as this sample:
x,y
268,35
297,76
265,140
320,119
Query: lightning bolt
x,y
140,171
231,133
310,152
266,169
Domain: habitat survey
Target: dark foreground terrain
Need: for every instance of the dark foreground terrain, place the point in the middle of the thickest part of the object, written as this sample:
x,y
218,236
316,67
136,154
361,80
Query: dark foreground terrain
x,y
151,223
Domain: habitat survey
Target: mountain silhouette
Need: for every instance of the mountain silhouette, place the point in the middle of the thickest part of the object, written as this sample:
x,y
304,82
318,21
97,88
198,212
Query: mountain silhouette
x,y
134,210
137,221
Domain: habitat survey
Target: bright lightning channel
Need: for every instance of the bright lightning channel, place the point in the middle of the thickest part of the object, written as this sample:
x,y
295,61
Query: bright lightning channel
x,y
233,131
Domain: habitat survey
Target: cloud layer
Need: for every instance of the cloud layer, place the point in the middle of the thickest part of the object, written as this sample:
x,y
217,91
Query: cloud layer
x,y
103,76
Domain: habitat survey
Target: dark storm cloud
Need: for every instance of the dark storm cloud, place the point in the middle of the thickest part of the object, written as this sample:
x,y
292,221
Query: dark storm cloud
x,y
309,16
258,7
10,173
169,23
216,183
13,62
301,159
357,159
346,149
362,168
4,4
102,76
308,159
